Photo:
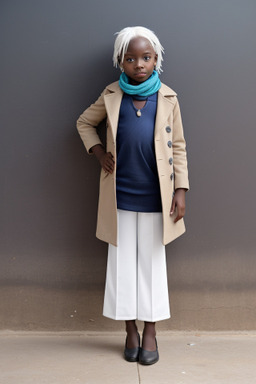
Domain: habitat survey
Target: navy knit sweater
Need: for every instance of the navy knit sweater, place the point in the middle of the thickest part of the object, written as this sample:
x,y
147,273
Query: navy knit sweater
x,y
137,183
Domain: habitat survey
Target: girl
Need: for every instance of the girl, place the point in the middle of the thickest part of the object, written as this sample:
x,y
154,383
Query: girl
x,y
142,186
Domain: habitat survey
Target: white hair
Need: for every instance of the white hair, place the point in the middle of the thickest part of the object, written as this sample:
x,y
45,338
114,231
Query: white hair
x,y
126,35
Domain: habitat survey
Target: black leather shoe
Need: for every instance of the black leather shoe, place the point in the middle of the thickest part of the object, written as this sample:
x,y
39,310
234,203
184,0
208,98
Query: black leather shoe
x,y
132,354
148,357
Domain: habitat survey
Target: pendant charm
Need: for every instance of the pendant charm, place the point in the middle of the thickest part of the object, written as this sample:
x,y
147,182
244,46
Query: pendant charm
x,y
139,113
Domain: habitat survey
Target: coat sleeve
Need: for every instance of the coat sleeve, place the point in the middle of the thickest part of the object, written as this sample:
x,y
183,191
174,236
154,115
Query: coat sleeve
x,y
89,120
179,150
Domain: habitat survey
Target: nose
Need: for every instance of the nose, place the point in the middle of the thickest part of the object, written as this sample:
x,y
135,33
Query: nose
x,y
139,63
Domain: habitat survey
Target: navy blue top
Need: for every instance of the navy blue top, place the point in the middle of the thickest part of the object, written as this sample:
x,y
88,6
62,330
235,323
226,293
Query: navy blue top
x,y
137,183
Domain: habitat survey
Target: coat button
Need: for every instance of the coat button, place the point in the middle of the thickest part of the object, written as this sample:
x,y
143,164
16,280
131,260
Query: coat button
x,y
170,161
169,144
168,129
172,176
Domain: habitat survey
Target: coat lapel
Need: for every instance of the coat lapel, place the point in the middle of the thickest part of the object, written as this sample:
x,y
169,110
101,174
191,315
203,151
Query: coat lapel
x,y
164,108
113,102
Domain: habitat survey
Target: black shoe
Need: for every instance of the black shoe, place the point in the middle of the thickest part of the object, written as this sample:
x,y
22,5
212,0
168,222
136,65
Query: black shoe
x,y
148,357
132,354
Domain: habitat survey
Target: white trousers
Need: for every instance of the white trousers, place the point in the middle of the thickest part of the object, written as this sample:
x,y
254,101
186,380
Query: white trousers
x,y
136,279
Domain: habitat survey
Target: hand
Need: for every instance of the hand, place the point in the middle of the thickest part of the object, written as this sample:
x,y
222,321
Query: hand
x,y
107,162
178,202
106,159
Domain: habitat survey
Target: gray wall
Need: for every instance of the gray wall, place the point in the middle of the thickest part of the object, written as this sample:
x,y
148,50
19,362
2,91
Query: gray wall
x,y
55,61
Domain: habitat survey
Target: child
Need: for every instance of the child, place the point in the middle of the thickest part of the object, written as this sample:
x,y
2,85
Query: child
x,y
142,186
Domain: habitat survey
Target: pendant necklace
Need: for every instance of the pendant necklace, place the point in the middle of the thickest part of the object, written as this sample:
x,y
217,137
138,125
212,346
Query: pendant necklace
x,y
140,98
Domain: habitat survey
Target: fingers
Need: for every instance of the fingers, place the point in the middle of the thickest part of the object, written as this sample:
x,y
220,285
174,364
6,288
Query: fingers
x,y
173,206
108,163
180,213
179,205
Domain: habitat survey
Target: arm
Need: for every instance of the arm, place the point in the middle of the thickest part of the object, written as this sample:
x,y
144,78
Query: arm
x,y
86,125
89,120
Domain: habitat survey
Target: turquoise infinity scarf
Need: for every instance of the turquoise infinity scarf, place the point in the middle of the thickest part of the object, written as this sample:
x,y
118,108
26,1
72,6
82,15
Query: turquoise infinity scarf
x,y
145,89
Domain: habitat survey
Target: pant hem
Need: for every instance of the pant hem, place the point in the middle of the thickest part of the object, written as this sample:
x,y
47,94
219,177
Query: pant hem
x,y
135,318
119,317
155,319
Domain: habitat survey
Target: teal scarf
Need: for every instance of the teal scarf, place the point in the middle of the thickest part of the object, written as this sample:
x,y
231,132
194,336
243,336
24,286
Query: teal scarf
x,y
145,89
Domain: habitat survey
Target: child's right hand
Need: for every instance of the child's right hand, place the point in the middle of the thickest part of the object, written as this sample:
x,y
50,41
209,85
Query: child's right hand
x,y
106,159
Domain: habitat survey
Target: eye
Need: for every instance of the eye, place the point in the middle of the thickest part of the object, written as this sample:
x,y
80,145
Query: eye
x,y
129,60
147,58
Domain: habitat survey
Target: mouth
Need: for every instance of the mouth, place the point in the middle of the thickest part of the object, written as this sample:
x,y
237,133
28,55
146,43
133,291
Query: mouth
x,y
140,74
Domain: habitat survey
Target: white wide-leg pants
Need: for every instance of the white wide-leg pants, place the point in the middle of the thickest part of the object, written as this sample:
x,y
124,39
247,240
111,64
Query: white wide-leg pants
x,y
136,279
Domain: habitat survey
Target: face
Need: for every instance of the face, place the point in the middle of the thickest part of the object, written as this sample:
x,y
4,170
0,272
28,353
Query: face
x,y
139,60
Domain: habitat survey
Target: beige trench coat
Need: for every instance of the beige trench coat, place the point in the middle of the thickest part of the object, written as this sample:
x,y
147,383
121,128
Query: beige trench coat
x,y
170,149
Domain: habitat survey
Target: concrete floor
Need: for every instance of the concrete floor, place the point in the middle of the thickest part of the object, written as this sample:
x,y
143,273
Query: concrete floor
x,y
96,358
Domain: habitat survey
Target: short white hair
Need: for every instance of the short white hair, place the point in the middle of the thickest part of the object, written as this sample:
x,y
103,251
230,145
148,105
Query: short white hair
x,y
126,35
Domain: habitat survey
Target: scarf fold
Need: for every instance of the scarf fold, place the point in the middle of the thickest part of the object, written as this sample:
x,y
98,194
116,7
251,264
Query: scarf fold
x,y
145,89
